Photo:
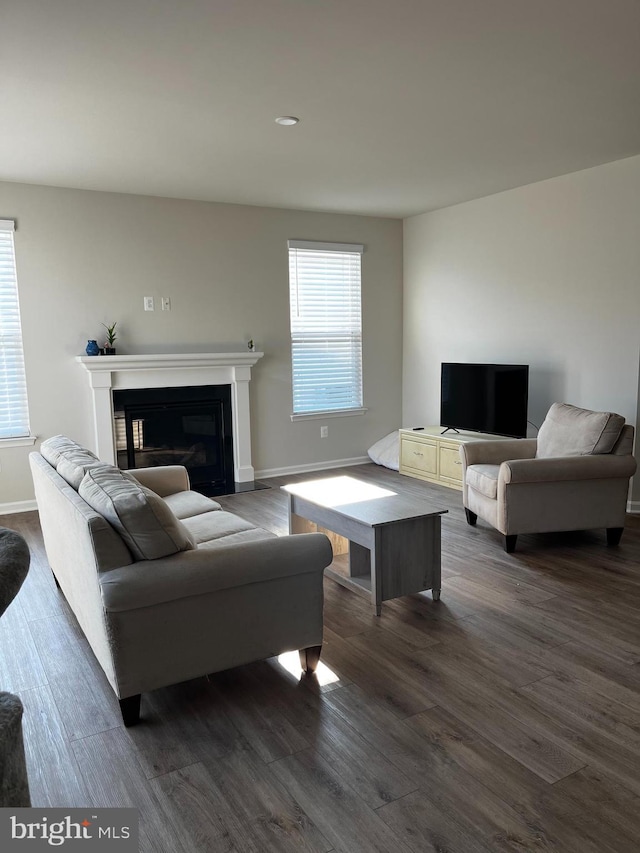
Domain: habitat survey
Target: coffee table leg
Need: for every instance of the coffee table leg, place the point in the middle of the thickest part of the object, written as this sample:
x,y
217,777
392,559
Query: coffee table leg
x,y
435,594
376,576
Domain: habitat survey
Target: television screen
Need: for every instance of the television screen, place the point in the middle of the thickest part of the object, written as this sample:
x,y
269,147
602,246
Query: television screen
x,y
488,398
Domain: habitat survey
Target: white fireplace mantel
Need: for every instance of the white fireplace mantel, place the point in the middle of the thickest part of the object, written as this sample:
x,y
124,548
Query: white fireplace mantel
x,y
173,370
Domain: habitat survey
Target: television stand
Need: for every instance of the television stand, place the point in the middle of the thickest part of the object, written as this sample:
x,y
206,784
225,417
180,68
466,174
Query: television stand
x,y
435,457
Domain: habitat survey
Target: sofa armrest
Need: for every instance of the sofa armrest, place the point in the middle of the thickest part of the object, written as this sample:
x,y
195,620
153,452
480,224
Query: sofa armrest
x,y
163,479
557,468
496,452
206,570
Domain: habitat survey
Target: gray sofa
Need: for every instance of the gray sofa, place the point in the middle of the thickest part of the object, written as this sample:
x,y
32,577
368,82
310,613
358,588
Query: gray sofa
x,y
574,476
165,584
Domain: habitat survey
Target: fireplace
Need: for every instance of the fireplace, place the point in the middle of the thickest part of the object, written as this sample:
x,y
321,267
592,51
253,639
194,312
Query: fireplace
x,y
188,426
109,376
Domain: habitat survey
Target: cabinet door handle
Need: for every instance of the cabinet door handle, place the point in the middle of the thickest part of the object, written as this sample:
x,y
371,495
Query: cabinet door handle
x,y
417,453
458,461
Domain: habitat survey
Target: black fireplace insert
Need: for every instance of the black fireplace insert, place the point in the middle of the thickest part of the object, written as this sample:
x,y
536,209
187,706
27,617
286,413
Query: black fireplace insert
x,y
188,426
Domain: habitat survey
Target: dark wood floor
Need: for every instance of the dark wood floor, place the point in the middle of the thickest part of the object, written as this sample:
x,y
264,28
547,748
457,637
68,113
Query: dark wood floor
x,y
505,717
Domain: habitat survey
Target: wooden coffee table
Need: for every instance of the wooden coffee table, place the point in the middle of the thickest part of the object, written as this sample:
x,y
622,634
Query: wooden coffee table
x,y
392,541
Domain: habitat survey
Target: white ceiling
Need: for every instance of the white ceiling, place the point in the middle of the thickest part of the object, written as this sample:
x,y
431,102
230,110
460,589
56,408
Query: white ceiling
x,y
405,105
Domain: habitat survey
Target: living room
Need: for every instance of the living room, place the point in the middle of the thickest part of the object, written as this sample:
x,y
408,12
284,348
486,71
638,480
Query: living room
x,y
543,275
532,259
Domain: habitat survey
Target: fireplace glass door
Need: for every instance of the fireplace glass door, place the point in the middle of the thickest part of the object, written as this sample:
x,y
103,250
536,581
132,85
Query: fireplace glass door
x,y
171,426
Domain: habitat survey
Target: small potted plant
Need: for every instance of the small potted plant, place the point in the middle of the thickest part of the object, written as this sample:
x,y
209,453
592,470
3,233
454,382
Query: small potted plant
x,y
109,348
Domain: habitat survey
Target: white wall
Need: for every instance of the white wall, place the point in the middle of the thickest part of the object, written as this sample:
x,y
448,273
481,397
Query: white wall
x,y
85,258
547,275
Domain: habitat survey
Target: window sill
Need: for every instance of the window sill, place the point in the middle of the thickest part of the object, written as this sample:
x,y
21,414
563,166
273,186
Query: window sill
x,y
23,441
338,413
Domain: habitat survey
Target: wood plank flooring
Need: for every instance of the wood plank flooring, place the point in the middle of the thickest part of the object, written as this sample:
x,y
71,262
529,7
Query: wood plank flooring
x,y
505,717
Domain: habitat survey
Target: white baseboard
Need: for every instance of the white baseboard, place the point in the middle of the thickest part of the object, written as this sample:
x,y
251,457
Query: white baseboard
x,y
633,506
312,466
18,506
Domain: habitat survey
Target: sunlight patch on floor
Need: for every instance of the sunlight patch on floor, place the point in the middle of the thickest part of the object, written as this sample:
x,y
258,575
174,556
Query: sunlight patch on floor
x,y
291,662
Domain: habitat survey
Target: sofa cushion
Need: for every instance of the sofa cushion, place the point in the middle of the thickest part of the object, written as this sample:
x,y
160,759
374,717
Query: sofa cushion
x,y
186,504
570,431
141,517
74,463
483,479
256,534
53,447
215,525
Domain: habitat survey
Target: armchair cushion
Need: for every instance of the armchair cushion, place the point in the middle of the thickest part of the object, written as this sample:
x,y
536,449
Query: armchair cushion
x,y
570,431
484,479
140,516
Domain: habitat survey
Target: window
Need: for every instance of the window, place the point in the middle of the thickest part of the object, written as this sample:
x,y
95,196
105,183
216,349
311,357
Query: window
x,y
14,414
326,327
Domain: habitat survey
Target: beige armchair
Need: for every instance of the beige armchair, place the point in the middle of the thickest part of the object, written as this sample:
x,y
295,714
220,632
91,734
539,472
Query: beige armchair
x,y
574,476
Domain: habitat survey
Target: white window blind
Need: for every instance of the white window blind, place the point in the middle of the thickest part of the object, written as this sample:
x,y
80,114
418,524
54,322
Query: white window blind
x,y
326,326
14,413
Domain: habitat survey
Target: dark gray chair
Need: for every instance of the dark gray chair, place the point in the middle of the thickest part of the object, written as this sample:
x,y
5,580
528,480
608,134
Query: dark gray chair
x,y
14,784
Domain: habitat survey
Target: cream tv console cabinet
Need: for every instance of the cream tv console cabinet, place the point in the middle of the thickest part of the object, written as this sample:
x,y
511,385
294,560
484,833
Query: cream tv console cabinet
x,y
429,455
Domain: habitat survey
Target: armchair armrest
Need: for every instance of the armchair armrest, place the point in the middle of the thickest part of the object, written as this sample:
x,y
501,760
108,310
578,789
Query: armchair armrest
x,y
206,570
557,468
163,479
496,452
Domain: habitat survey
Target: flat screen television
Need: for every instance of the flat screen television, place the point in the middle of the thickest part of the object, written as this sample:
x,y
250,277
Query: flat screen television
x,y
488,398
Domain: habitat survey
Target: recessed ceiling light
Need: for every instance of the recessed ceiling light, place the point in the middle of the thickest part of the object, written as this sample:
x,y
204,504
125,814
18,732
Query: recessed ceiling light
x,y
287,120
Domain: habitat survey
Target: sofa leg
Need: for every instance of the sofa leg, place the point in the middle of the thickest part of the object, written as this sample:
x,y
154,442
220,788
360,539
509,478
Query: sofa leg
x,y
471,516
130,710
614,535
510,543
309,658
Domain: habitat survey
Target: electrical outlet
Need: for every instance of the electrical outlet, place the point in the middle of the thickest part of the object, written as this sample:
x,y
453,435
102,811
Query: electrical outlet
x,y
324,432
166,303
148,303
